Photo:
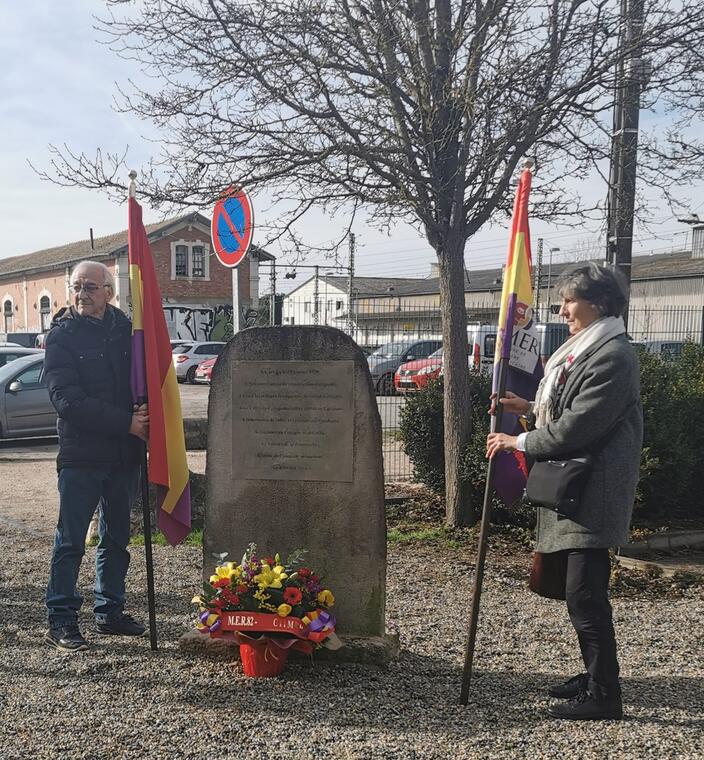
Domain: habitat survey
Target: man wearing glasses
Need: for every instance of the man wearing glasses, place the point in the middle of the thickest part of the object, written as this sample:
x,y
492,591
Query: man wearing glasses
x,y
87,367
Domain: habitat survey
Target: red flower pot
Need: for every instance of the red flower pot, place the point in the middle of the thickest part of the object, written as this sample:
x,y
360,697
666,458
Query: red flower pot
x,y
261,658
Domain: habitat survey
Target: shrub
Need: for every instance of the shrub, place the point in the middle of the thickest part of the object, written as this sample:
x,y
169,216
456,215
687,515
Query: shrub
x,y
672,394
422,430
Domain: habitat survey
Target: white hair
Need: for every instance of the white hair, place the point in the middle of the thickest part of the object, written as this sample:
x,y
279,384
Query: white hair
x,y
108,279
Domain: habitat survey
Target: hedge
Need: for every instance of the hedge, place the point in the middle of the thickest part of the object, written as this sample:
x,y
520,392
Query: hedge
x,y
672,393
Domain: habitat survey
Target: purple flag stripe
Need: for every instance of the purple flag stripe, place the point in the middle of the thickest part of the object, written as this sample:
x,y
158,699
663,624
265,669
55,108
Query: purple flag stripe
x,y
177,525
138,378
507,327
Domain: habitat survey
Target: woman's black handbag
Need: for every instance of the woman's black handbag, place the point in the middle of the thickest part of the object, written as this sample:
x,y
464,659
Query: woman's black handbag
x,y
557,483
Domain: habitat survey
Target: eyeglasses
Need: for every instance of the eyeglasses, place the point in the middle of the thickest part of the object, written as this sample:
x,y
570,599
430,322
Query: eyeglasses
x,y
88,287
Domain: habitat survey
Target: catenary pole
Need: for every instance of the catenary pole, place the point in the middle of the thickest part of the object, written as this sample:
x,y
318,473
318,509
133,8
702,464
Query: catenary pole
x,y
350,285
146,507
538,274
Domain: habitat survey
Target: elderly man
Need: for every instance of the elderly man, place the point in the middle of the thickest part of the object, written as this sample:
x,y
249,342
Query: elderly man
x,y
87,366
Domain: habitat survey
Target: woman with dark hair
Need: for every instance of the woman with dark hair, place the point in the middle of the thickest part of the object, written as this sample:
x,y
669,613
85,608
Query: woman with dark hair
x,y
587,402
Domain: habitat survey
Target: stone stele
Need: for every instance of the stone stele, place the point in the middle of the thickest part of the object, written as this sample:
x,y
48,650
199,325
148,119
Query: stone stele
x,y
294,461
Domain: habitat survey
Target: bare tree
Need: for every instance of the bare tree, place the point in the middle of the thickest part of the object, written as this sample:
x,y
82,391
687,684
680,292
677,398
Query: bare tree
x,y
420,110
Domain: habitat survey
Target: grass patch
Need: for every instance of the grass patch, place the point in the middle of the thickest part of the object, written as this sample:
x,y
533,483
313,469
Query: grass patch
x,y
194,538
406,534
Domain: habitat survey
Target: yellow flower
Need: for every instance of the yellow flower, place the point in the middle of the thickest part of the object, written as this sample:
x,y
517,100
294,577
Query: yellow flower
x,y
229,570
270,577
325,597
283,610
197,600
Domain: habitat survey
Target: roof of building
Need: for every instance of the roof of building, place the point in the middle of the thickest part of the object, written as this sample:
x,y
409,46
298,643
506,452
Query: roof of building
x,y
365,286
650,267
106,247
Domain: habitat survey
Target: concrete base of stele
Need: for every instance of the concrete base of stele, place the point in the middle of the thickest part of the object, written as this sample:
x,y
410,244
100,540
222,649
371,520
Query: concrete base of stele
x,y
370,650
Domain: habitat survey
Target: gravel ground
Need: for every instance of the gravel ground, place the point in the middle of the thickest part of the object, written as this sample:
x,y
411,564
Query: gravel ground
x,y
120,700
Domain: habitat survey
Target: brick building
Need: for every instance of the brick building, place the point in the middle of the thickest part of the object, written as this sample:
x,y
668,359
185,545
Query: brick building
x,y
194,286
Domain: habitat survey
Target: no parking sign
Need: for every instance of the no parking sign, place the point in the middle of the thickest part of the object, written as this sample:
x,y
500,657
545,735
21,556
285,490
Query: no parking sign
x,y
231,227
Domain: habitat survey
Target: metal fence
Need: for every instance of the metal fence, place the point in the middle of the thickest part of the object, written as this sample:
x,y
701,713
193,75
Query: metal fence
x,y
374,322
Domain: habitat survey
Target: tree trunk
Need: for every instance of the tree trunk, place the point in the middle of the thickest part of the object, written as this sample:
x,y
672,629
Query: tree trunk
x,y
457,417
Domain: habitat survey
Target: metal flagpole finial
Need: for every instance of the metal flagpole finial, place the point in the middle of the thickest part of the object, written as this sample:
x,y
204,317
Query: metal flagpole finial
x,y
530,163
132,191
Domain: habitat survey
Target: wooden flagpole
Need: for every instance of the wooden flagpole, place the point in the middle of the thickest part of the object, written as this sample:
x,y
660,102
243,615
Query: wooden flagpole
x,y
486,510
483,542
146,507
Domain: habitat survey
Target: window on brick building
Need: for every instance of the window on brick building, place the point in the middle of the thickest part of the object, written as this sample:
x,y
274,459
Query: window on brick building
x,y
189,260
45,312
181,261
7,315
198,258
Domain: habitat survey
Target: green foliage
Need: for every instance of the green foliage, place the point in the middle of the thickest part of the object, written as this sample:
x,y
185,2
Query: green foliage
x,y
421,429
672,393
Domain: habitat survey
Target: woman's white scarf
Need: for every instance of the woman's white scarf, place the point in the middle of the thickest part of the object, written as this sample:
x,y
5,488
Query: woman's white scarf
x,y
561,362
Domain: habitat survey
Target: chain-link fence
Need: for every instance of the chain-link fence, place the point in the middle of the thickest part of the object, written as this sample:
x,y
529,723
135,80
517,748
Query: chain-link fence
x,y
395,332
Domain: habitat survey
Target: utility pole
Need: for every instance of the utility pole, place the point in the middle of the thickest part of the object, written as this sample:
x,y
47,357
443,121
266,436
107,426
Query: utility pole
x,y
316,295
272,306
631,77
350,284
538,268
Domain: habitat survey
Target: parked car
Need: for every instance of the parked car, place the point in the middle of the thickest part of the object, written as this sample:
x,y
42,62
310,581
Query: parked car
x,y
25,408
187,357
9,352
414,375
204,370
384,362
481,342
552,336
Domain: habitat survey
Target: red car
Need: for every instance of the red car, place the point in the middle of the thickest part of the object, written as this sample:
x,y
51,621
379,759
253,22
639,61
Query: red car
x,y
204,370
412,376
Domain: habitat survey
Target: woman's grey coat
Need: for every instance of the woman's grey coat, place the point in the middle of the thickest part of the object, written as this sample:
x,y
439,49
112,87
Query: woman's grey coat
x,y
601,387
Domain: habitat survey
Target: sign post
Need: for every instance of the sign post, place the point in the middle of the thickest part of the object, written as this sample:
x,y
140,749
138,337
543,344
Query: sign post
x,y
231,231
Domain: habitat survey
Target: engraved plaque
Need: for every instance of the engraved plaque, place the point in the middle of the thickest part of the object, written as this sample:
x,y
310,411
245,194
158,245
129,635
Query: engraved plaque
x,y
292,420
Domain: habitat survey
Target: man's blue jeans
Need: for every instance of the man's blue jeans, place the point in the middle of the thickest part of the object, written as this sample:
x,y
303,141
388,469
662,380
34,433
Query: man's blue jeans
x,y
81,490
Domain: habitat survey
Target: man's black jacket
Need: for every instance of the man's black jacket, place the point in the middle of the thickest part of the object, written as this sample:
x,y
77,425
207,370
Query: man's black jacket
x,y
87,367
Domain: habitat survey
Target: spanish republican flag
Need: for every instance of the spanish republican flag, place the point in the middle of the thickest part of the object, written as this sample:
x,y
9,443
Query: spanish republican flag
x,y
153,380
518,344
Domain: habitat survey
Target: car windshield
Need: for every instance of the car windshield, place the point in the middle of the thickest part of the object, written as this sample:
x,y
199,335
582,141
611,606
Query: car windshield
x,y
436,355
181,348
390,349
15,367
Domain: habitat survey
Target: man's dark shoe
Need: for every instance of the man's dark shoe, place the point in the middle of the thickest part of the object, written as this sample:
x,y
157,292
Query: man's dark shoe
x,y
66,638
122,626
570,688
587,707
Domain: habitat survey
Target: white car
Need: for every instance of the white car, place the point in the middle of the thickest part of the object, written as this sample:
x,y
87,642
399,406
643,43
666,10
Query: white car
x,y
188,355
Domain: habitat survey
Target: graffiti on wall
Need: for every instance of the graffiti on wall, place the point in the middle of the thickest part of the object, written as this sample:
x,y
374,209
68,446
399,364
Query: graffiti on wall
x,y
199,323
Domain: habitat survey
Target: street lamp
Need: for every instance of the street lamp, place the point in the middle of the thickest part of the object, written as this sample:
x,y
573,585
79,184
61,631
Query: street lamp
x,y
552,250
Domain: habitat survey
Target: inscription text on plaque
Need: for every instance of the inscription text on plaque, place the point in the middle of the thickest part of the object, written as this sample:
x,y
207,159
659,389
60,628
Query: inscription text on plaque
x,y
293,420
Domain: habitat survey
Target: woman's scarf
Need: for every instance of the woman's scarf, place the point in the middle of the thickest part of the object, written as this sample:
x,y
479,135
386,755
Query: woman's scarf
x,y
561,362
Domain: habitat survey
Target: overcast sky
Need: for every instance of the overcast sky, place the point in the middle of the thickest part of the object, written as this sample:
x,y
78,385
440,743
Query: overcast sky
x,y
57,84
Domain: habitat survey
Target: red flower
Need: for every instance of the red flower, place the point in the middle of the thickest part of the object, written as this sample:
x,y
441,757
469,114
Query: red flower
x,y
241,588
304,572
229,597
221,583
218,602
292,595
269,561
